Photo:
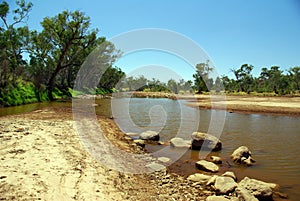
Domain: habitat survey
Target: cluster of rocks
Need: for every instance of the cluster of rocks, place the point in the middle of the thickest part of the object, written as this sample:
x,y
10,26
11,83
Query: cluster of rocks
x,y
226,186
215,187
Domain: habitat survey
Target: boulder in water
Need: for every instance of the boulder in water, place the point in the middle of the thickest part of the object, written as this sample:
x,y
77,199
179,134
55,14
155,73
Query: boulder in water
x,y
205,141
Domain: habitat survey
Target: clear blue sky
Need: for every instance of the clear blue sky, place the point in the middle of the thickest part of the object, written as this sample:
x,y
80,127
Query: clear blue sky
x,y
259,32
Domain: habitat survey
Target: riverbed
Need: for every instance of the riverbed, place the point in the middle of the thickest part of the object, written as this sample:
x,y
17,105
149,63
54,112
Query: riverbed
x,y
274,140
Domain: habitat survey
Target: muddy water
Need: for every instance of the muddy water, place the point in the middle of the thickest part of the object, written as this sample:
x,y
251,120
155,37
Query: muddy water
x,y
274,140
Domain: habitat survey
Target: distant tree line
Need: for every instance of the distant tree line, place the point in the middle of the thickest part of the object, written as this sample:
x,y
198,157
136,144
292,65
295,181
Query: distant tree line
x,y
270,80
141,83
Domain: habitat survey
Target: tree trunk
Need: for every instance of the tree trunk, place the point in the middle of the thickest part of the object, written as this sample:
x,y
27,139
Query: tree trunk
x,y
50,84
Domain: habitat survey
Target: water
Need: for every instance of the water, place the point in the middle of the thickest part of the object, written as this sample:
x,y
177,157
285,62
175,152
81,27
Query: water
x,y
273,140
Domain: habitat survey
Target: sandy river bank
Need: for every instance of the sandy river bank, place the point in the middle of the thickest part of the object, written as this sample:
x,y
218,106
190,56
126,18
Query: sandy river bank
x,y
248,104
42,159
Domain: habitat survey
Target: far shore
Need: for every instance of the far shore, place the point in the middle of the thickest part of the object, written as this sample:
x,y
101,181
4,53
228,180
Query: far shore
x,y
249,104
284,105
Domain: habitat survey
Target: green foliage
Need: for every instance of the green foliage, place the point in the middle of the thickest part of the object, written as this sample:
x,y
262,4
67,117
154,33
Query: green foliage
x,y
110,78
202,82
21,93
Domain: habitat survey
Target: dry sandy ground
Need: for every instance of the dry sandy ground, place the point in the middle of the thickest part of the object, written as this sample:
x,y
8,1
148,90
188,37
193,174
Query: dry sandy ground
x,y
41,158
249,104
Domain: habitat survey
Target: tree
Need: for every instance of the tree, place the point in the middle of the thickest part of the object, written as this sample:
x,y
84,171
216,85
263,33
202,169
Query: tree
x,y
244,78
111,77
275,78
201,77
294,77
63,45
173,86
218,85
13,42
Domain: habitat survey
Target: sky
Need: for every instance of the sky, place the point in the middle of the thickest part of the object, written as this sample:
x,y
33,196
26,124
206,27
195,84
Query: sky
x,y
262,33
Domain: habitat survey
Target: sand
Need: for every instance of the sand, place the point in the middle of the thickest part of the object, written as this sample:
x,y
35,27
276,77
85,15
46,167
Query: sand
x,y
249,104
42,158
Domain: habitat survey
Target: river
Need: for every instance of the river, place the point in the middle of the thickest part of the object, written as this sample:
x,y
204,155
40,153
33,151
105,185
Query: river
x,y
273,140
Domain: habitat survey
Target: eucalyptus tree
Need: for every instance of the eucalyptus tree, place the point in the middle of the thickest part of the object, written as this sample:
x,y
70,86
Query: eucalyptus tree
x,y
202,81
294,77
63,45
14,39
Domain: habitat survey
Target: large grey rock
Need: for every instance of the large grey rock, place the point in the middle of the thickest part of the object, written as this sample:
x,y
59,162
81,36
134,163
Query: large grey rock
x,y
216,198
207,166
225,185
242,155
197,177
245,195
260,189
180,143
150,135
205,141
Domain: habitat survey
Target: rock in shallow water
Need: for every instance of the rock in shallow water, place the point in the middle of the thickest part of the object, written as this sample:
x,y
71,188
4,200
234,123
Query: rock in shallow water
x,y
150,135
216,159
180,143
207,166
205,141
242,155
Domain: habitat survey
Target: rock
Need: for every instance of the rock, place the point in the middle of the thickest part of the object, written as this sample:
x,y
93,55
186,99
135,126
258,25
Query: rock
x,y
207,166
150,135
197,177
160,143
205,141
155,166
140,143
259,189
245,195
132,134
225,185
164,159
212,180
216,198
229,174
281,195
242,155
127,138
216,159
180,143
